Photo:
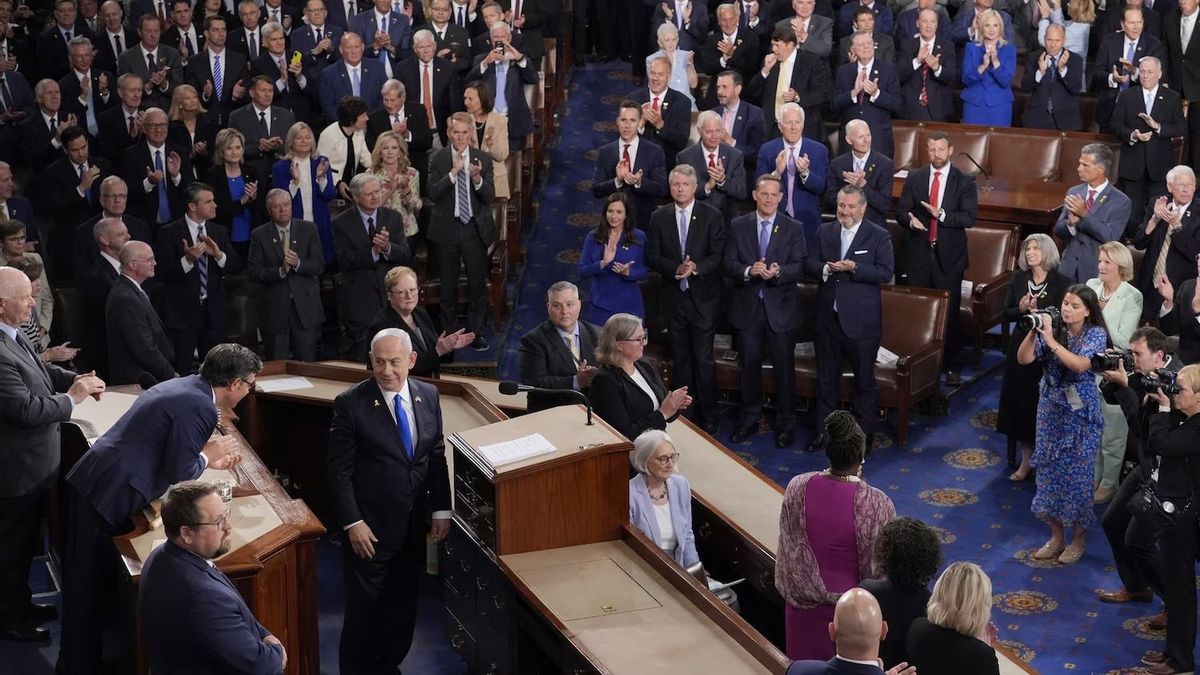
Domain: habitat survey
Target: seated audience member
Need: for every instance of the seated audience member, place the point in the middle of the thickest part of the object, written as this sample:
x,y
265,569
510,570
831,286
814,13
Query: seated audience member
x,y
1178,316
666,113
928,69
507,73
114,195
801,165
13,236
1170,238
683,68
720,169
614,258
988,65
1115,66
139,351
344,142
403,311
1093,213
864,22
1076,30
238,188
183,596
628,165
828,530
1145,119
956,636
555,353
857,629
730,47
1053,79
306,176
864,168
400,179
810,84
908,555
262,123
660,499
38,336
190,128
742,121
285,259
627,391
490,135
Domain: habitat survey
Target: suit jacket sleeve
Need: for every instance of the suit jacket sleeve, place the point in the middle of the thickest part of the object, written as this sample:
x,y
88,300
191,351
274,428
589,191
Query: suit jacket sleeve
x,y
343,449
880,271
237,645
21,407
438,478
1106,229
965,204
609,404
533,361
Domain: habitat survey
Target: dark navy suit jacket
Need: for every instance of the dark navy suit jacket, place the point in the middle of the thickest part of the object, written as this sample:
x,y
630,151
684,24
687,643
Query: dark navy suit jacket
x,y
398,28
677,122
649,160
335,85
877,113
780,295
1053,103
724,197
878,168
871,251
195,621
806,194
939,97
154,445
749,130
303,41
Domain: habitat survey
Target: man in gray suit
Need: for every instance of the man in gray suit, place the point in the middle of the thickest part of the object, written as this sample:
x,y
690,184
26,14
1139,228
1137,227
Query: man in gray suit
x,y
31,406
262,123
286,259
814,33
159,66
1093,213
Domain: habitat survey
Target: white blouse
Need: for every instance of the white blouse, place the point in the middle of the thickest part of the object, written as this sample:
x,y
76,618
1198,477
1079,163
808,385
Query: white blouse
x,y
666,531
644,386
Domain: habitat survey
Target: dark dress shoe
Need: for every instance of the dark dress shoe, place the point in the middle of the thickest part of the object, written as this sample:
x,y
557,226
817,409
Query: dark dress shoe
x,y
1157,622
783,439
479,345
1165,668
41,613
953,378
23,633
743,433
1123,595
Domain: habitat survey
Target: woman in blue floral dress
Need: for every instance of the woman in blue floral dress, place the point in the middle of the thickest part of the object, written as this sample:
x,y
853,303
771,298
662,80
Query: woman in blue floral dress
x,y
1069,421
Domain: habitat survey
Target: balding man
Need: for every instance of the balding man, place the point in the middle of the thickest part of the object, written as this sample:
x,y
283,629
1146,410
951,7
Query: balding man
x,y
719,167
927,70
139,351
353,76
857,629
385,484
32,404
154,170
109,236
1053,78
863,168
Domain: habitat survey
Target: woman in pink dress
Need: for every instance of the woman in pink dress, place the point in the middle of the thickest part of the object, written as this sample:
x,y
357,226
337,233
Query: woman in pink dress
x,y
827,532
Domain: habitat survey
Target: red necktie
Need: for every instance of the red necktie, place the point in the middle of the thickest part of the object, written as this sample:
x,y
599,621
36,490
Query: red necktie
x,y
625,157
924,96
712,160
1090,200
654,105
933,201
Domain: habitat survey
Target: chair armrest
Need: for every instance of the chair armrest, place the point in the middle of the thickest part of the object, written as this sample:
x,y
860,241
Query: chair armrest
x,y
922,365
988,299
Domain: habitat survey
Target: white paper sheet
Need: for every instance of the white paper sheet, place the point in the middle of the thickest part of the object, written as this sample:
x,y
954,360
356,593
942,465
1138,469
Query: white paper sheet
x,y
273,384
516,449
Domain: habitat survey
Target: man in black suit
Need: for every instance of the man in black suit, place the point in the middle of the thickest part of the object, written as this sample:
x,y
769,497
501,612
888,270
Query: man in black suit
x,y
864,22
1170,238
764,257
121,125
277,11
868,89
386,485
1184,65
937,205
691,18
246,39
318,41
720,168
430,78
1053,78
507,73
154,172
728,47
630,165
340,11
462,187
113,197
481,43
685,244
1145,119
114,37
86,91
1152,18
555,353
1114,68
263,124
927,71
17,90
181,33
527,18
40,140
863,168
52,54
292,86
139,350
286,261
469,16
743,121
853,256
196,255
71,192
37,397
666,113
95,282
406,118
368,241
451,41
809,84
219,101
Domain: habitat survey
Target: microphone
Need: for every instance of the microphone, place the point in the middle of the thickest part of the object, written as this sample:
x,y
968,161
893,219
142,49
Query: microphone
x,y
509,387
987,185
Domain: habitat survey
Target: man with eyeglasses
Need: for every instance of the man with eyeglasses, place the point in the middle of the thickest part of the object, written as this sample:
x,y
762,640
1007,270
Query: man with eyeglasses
x,y
168,435
182,595
114,195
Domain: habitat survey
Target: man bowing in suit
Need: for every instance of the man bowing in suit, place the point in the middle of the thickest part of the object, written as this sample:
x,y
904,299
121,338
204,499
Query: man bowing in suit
x,y
764,257
31,407
388,476
554,355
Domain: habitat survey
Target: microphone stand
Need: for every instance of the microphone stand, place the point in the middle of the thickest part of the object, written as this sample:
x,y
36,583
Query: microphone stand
x,y
987,178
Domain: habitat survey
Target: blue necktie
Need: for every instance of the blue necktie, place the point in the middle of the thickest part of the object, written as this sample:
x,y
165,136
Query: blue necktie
x,y
791,178
218,78
402,425
501,74
92,126
355,82
383,54
164,208
87,194
683,228
764,240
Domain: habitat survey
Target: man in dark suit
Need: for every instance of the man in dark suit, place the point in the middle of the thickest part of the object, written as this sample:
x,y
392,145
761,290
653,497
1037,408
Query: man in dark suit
x,y
869,90
246,39
937,205
666,113
292,87
139,350
857,629
451,41
927,71
1170,238
405,117
113,196
809,86
121,125
429,78
729,47
764,256
181,594
385,486
507,73
286,261
864,22
263,124
527,18
182,34
386,33
71,191
1114,67
368,241
1053,78
1152,18
31,407
40,140
801,164
113,37
166,436
907,21
340,11
462,188
353,76
1094,212
318,40
852,257
812,25
631,165
1184,68
743,121
154,172
685,244
863,168
691,18
196,255
229,67
555,353
847,13
481,43
1145,119
85,90
277,11
719,167
465,15
51,50
96,281
167,71
17,90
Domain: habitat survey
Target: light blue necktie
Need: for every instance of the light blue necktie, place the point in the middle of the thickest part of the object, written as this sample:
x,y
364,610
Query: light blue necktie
x,y
383,53
402,425
1130,55
164,208
501,74
791,178
91,108
356,81
764,241
683,232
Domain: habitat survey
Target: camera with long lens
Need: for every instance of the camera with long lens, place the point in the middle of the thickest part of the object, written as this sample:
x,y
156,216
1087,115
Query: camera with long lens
x,y
1111,360
1164,380
1035,320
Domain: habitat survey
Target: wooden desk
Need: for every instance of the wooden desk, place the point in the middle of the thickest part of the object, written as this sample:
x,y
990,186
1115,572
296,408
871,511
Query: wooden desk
x,y
1029,204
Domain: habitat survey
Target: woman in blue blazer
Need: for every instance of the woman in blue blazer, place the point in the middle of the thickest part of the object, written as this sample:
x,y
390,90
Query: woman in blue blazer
x,y
305,175
614,258
989,64
660,500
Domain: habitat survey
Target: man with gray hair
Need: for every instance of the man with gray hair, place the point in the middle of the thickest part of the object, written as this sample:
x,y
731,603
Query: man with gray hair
x,y
666,113
720,169
1145,119
407,118
39,140
555,353
114,195
109,236
863,168
427,78
292,86
139,350
1171,240
87,91
1093,213
368,241
507,71
386,484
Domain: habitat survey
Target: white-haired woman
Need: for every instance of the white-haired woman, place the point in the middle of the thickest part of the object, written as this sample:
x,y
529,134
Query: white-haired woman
x,y
956,637
660,500
683,67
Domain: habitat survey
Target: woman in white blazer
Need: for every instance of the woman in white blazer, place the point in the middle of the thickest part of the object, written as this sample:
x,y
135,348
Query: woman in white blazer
x,y
335,140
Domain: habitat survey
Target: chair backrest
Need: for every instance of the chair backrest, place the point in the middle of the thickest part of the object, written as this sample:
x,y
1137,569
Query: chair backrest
x,y
913,318
1033,157
992,251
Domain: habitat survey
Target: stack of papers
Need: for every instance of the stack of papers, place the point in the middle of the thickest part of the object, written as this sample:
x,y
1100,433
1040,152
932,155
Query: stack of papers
x,y
516,450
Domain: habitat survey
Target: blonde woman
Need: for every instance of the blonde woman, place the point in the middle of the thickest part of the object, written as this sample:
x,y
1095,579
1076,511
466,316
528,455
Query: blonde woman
x,y
491,131
988,66
400,180
189,128
956,637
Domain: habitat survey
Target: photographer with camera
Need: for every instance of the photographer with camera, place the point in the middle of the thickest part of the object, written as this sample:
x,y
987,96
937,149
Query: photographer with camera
x,y
1170,498
1068,417
1180,314
1129,380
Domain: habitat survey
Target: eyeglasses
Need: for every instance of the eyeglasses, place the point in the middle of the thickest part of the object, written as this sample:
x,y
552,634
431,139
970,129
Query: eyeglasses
x,y
15,238
403,291
219,522
642,339
248,383
668,459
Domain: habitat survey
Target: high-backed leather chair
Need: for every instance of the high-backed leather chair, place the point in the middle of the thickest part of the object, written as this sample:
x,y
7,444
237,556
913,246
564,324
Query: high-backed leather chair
x,y
992,252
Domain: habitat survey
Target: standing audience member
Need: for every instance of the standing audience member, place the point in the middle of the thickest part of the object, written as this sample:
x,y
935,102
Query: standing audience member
x,y
720,171
344,142
927,70
908,555
614,258
401,181
731,47
189,128
555,353
490,132
627,165
404,116
263,124
869,90
957,635
666,113
790,74
1145,119
507,73
1053,78
1093,213
742,121
988,66
800,163
402,311
1115,66
158,172
236,185
1184,64
660,499
305,175
1170,238
627,391
1076,30
683,67
864,168
139,350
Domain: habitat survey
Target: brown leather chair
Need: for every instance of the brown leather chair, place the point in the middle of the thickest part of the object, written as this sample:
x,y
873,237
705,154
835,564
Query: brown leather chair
x,y
1034,157
993,255
905,147
1072,144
